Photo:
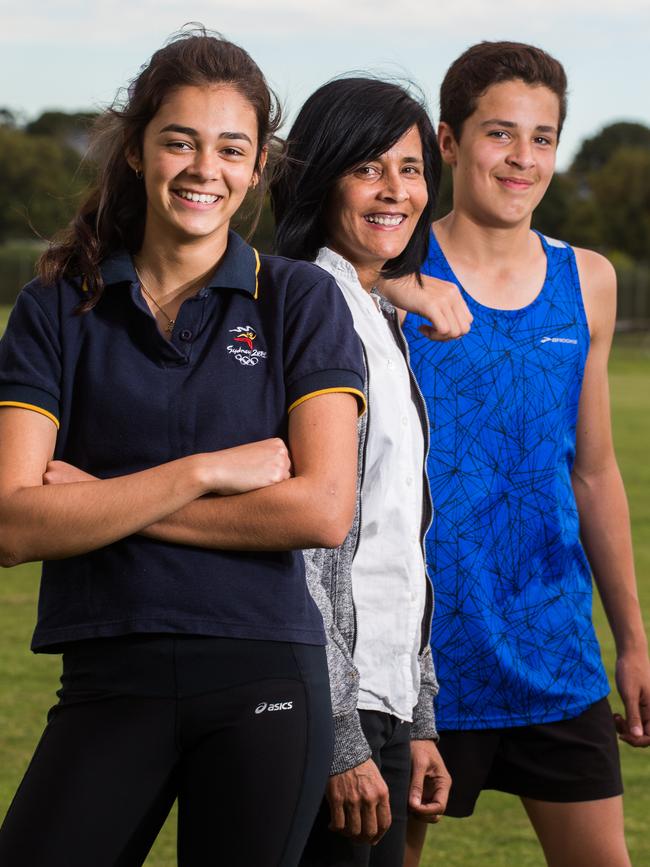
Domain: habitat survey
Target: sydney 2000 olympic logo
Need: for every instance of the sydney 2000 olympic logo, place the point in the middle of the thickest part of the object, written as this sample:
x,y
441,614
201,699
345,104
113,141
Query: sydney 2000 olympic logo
x,y
244,350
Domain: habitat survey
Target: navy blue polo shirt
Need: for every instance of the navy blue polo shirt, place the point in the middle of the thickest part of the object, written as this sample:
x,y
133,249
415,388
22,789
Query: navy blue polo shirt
x,y
264,335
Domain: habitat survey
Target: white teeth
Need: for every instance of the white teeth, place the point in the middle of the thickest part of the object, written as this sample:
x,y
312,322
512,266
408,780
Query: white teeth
x,y
197,197
385,221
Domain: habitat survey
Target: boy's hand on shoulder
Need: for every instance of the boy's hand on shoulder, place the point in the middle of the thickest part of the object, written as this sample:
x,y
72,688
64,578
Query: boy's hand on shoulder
x,y
439,301
442,303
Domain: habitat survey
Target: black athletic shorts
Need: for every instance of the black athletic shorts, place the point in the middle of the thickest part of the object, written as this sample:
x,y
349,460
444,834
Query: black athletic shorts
x,y
566,761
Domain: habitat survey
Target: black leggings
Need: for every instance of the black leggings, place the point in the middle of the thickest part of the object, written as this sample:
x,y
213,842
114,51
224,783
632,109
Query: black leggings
x,y
239,731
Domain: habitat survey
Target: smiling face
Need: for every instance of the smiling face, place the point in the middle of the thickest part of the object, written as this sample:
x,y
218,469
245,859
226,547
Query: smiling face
x,y
374,209
505,159
198,158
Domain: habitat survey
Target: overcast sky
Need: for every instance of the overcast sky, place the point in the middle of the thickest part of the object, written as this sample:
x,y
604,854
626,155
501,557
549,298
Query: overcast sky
x,y
74,54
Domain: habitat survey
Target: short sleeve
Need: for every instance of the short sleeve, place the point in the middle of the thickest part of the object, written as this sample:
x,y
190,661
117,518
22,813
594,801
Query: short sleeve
x,y
322,350
30,359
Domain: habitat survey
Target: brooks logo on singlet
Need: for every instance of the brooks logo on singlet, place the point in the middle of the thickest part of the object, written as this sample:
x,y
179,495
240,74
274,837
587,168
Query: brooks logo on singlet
x,y
512,637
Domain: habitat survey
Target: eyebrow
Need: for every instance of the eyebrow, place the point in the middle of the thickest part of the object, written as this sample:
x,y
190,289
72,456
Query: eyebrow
x,y
509,124
188,130
413,160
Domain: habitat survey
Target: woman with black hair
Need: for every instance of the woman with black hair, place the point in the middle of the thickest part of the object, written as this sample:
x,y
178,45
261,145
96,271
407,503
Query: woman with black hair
x,y
176,422
356,195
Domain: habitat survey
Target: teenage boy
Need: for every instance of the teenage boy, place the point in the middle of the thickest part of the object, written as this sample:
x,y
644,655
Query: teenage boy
x,y
527,491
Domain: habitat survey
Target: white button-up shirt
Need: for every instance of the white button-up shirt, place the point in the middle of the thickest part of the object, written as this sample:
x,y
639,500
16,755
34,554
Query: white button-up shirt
x,y
388,571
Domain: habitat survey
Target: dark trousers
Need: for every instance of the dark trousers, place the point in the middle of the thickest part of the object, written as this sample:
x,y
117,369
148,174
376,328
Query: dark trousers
x,y
390,742
239,731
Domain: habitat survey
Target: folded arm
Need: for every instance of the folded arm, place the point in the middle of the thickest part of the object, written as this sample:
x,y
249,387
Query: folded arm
x,y
45,521
312,508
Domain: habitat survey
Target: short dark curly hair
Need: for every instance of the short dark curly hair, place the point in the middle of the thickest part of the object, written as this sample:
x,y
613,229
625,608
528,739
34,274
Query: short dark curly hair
x,y
488,63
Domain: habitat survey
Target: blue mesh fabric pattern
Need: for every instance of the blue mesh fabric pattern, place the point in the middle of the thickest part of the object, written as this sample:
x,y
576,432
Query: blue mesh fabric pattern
x,y
512,636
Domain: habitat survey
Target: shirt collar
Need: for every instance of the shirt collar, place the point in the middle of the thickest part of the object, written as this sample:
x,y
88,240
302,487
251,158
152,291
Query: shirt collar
x,y
238,268
348,280
332,262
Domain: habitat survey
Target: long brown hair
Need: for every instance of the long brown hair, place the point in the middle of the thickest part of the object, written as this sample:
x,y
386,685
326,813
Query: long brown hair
x,y
113,214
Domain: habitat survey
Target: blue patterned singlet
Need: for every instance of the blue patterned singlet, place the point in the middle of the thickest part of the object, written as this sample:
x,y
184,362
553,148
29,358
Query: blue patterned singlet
x,y
512,636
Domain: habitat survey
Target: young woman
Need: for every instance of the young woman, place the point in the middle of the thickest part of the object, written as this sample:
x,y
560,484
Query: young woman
x,y
164,357
356,195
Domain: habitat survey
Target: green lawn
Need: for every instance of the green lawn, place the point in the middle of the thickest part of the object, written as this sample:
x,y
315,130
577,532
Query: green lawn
x,y
499,833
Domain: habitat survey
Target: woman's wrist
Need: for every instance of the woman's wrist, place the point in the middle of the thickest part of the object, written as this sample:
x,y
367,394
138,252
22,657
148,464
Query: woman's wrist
x,y
203,476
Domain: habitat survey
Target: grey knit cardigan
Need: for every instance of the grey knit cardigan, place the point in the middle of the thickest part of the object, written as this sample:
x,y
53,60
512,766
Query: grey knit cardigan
x,y
329,578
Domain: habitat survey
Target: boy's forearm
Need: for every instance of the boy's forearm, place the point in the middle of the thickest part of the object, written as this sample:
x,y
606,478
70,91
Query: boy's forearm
x,y
606,536
438,301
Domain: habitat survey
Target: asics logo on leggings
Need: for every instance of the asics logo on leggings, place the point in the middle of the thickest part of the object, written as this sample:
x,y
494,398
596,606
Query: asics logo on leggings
x,y
276,705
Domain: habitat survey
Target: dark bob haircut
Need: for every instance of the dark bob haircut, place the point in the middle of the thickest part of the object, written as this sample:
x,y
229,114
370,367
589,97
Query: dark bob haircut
x,y
345,123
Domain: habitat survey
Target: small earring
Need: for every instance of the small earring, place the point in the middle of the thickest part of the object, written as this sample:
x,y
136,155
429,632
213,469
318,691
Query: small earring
x,y
139,174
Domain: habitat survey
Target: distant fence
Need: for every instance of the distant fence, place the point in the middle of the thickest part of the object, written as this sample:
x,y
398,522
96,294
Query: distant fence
x,y
633,309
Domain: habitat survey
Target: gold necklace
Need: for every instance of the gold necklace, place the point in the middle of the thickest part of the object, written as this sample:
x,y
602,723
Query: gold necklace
x,y
170,322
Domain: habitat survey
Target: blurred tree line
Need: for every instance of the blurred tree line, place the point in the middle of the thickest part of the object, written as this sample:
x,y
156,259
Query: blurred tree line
x,y
601,202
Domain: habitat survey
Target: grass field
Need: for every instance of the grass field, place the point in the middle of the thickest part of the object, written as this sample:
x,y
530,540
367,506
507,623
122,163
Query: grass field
x,y
498,835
